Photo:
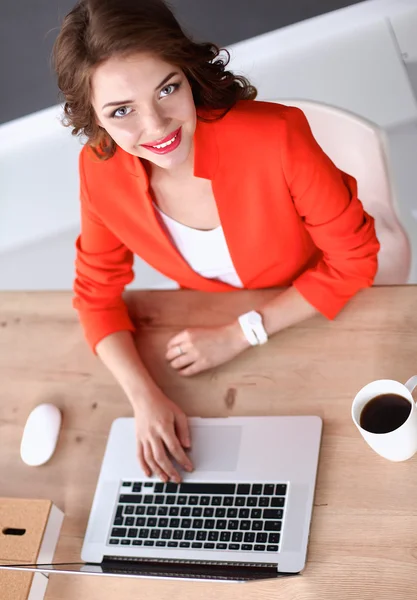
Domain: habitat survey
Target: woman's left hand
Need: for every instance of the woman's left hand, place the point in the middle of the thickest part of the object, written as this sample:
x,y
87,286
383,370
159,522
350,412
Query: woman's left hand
x,y
197,349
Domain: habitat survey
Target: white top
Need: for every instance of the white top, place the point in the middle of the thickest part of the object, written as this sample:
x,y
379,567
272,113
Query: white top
x,y
205,251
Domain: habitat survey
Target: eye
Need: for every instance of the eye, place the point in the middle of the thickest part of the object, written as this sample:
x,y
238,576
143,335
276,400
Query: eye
x,y
121,112
169,89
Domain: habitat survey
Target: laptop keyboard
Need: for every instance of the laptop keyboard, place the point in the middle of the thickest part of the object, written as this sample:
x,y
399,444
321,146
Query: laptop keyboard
x,y
244,517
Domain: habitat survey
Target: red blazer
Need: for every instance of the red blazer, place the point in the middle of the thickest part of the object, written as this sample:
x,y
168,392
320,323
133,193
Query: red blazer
x,y
290,217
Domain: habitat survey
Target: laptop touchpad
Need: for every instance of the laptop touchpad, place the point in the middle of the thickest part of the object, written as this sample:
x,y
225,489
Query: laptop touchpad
x,y
215,448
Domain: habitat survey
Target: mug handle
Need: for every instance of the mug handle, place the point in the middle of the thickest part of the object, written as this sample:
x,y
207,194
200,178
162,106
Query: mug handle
x,y
411,384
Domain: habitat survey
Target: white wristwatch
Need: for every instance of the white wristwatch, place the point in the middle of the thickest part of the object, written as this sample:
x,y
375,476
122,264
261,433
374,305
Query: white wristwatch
x,y
252,327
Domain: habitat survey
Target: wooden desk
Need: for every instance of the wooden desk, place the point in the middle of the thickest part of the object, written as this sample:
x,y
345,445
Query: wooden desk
x,y
364,533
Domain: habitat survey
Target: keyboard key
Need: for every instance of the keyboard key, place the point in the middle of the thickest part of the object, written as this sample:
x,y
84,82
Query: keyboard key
x,y
264,501
272,548
185,544
259,547
240,501
114,542
273,538
221,524
155,534
197,511
130,499
151,522
151,510
216,501
221,546
172,544
220,512
269,489
208,512
213,536
137,487
247,547
244,513
186,523
133,532
256,489
174,511
126,542
277,502
256,513
201,536
171,488
118,521
209,524
171,499
204,500
189,535
149,543
261,537
193,500
237,536
119,511
162,511
233,524
160,544
178,534
148,499
140,521
225,536
163,522
280,489
234,546
182,500
129,510
137,543
196,545
185,511
249,536
220,489
148,484
126,483
243,489
140,510
118,532
198,523
144,533
129,521
257,525
272,525
227,501
174,523
252,501
159,499
209,546
272,514
245,525
166,534
159,488
232,513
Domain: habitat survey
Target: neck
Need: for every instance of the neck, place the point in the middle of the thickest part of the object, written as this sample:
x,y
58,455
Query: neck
x,y
180,172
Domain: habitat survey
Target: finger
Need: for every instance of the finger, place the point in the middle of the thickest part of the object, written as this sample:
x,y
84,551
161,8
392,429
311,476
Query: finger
x,y
182,361
192,369
162,460
178,350
182,429
177,451
142,461
178,339
154,466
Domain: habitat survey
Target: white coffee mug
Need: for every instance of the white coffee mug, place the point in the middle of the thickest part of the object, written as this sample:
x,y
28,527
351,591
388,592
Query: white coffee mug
x,y
401,443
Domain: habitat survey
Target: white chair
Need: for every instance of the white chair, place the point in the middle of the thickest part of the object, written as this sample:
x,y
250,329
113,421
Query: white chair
x,y
358,147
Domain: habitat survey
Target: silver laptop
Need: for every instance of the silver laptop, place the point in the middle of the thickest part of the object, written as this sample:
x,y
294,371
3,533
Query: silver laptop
x,y
243,514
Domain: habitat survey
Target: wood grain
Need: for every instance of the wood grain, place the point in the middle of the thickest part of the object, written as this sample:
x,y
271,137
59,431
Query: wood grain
x,y
364,532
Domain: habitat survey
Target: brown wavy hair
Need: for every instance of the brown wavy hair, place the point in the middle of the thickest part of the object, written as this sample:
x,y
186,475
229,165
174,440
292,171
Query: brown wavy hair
x,y
96,30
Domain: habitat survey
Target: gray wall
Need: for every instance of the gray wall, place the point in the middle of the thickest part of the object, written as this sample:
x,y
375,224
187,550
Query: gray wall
x,y
28,29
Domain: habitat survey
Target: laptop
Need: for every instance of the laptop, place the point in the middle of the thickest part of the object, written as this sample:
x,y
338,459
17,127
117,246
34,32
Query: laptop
x,y
243,514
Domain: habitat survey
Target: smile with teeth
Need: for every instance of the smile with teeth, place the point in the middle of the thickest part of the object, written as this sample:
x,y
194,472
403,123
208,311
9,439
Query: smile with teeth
x,y
168,143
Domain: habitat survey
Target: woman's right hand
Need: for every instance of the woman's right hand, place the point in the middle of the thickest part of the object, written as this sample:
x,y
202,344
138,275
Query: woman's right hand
x,y
161,428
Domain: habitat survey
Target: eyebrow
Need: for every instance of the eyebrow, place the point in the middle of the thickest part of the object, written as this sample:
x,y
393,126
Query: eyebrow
x,y
123,102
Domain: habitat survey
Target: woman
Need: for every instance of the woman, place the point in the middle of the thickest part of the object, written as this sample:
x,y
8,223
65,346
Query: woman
x,y
214,190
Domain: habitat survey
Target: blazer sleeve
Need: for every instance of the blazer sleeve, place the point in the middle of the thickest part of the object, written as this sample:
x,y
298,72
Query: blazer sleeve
x,y
327,202
103,269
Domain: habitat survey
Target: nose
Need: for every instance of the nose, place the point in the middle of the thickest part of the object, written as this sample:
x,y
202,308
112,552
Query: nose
x,y
154,125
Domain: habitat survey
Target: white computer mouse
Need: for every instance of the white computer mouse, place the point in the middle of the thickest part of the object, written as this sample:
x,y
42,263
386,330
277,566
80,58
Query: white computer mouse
x,y
40,435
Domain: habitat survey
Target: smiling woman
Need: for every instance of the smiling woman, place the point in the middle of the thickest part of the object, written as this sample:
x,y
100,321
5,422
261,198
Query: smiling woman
x,y
214,190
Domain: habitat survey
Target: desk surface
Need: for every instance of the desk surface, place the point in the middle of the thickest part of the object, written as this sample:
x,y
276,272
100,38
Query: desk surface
x,y
364,531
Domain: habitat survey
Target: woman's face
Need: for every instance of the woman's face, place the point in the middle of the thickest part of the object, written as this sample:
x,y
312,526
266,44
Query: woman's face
x,y
147,108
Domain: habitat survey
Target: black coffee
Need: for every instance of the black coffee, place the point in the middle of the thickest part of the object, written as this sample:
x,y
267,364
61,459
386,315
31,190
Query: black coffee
x,y
385,413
